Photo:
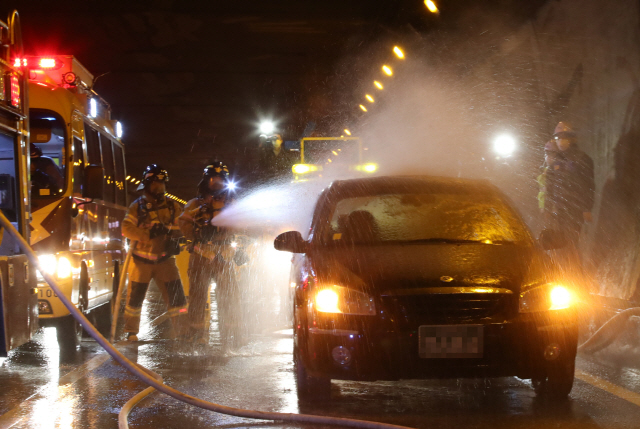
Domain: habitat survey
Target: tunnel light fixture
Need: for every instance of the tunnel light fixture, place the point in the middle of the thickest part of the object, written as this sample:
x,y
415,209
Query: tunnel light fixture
x,y
369,98
387,70
364,109
347,132
378,84
398,52
430,4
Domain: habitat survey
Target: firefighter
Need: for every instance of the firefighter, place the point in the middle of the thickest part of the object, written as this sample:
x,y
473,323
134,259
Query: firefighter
x,y
574,187
211,256
45,174
546,179
152,221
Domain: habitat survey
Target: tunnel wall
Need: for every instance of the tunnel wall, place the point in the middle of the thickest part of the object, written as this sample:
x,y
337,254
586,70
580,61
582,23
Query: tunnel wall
x,y
579,61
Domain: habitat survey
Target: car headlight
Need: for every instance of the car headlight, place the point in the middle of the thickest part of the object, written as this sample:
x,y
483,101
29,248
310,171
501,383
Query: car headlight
x,y
546,297
49,264
339,299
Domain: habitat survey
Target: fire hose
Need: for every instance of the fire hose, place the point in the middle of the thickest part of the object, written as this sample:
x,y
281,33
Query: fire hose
x,y
145,376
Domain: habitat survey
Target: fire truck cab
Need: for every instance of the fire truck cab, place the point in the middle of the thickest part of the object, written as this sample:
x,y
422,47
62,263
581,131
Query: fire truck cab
x,y
18,292
78,191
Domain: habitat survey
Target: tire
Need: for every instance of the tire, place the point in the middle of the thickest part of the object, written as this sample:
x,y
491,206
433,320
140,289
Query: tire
x,y
558,382
309,387
69,333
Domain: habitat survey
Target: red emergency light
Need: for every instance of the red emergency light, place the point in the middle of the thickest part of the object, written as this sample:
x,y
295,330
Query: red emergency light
x,y
14,83
20,62
48,63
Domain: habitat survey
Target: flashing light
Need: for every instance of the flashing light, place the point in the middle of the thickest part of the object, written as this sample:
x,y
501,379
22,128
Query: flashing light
x,y
367,168
327,301
47,63
431,6
267,127
398,52
347,132
231,186
504,145
119,129
93,108
370,98
387,70
304,168
378,84
364,109
560,298
15,90
50,264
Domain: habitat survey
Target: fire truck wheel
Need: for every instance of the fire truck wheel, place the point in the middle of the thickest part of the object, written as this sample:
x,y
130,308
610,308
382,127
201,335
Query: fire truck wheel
x,y
69,333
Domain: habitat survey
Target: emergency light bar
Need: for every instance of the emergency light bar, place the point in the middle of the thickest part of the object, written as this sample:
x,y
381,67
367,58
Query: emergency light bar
x,y
63,70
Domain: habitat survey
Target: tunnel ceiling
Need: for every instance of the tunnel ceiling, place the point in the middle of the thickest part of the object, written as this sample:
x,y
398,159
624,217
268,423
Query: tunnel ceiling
x,y
190,80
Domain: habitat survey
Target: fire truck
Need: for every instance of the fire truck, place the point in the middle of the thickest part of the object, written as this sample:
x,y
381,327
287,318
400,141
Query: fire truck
x,y
330,157
18,306
78,193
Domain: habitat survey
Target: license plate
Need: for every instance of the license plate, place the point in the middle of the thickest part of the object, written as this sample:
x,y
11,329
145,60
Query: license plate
x,y
450,341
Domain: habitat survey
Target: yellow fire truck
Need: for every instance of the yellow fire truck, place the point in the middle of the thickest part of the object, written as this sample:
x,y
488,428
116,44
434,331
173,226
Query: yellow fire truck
x,y
18,306
330,156
78,192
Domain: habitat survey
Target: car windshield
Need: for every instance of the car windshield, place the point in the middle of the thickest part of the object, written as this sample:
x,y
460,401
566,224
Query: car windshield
x,y
47,154
422,218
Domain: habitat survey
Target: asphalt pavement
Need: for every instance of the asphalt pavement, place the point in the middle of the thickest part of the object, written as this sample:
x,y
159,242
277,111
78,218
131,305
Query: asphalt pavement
x,y
44,388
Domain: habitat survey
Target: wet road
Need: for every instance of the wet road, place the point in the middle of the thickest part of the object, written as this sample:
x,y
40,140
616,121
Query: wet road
x,y
42,388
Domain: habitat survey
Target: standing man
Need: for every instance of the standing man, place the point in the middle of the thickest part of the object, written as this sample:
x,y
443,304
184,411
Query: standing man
x,y
152,222
574,189
547,179
211,257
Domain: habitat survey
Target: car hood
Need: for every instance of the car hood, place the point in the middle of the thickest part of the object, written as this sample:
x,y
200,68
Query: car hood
x,y
391,267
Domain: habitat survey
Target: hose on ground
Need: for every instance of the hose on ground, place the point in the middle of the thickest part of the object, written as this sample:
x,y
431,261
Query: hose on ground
x,y
123,415
608,332
151,381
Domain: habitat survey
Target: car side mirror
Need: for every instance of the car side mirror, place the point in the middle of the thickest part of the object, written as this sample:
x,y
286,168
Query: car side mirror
x,y
552,239
290,241
93,186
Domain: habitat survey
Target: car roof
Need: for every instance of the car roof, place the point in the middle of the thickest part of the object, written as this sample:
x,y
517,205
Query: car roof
x,y
383,183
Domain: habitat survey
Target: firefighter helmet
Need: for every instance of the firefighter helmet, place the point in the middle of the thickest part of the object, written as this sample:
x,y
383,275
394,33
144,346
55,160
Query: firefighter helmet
x,y
35,151
214,169
153,173
564,130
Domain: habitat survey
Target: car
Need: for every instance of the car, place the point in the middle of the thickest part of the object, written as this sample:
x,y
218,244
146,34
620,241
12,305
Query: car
x,y
427,277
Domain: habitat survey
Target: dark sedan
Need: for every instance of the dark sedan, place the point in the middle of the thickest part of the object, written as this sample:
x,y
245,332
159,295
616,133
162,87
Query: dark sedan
x,y
423,277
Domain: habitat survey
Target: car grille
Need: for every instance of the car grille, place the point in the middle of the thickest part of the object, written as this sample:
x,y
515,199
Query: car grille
x,y
449,307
